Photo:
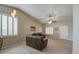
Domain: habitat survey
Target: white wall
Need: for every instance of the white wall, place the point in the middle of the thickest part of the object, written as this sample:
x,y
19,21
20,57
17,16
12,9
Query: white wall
x,y
76,29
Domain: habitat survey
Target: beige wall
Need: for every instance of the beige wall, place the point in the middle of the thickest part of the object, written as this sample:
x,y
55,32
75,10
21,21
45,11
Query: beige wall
x,y
24,23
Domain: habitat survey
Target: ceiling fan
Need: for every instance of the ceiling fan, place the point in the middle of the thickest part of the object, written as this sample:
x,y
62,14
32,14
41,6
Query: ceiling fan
x,y
50,20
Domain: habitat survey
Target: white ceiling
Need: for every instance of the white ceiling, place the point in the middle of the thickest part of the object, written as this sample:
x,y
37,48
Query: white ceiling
x,y
42,11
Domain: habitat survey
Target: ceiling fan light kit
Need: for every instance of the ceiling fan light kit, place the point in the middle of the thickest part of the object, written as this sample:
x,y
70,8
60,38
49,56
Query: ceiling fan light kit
x,y
50,19
49,22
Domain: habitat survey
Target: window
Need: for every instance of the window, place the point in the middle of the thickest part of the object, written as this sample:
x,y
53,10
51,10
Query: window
x,y
4,25
15,27
63,32
8,25
49,30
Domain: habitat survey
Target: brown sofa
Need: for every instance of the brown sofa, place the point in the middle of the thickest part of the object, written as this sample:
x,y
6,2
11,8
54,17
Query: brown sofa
x,y
38,42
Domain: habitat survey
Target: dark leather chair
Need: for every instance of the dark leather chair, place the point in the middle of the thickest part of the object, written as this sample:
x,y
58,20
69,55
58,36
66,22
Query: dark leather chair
x,y
37,42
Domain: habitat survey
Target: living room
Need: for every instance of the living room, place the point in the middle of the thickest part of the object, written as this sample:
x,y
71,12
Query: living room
x,y
52,22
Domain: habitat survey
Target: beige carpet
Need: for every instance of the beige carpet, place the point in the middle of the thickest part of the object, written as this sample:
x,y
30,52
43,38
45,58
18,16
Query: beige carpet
x,y
54,47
